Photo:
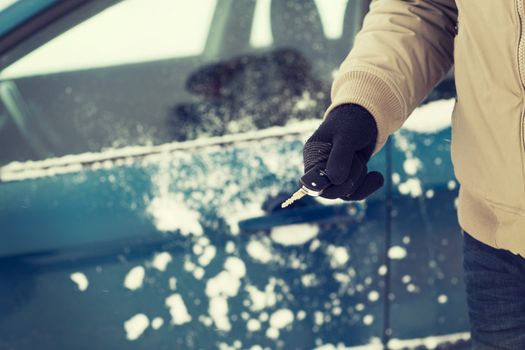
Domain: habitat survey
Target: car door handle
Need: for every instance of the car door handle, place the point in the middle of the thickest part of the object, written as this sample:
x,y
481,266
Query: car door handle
x,y
318,214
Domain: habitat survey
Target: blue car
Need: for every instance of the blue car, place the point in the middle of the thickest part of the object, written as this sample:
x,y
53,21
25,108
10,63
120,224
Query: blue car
x,y
145,150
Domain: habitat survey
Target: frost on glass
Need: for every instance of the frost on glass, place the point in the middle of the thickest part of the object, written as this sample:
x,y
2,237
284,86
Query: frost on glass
x,y
164,74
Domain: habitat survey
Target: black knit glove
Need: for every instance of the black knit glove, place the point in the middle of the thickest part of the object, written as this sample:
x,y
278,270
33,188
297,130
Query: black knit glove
x,y
345,141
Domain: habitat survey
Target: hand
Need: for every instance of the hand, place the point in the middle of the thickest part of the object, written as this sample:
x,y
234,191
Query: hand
x,y
349,132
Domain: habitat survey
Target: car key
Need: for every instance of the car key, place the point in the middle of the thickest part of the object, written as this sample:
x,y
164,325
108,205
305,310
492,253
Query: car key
x,y
314,181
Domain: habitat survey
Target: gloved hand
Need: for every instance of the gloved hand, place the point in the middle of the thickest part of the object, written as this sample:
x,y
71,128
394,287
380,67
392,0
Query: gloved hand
x,y
348,136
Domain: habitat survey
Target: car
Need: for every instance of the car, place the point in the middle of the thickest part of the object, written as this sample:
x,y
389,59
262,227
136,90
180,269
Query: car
x,y
145,149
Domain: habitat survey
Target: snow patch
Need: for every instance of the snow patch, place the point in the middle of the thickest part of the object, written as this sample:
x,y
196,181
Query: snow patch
x,y
412,165
157,323
431,342
397,252
294,234
375,344
261,299
411,187
169,215
281,318
368,319
396,178
178,311
237,211
411,288
301,315
161,261
168,210
136,326
373,296
272,333
306,102
431,117
218,310
134,278
309,280
314,245
172,282
442,299
207,256
6,175
80,279
198,273
224,285
318,318
259,251
108,158
229,247
235,266
253,325
339,256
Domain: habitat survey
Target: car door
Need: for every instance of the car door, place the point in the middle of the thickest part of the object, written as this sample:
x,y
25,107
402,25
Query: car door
x,y
426,256
144,155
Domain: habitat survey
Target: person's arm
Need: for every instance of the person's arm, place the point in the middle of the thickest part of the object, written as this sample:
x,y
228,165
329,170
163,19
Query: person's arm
x,y
403,50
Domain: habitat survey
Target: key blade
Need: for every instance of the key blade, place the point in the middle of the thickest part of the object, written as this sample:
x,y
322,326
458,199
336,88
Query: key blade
x,y
295,197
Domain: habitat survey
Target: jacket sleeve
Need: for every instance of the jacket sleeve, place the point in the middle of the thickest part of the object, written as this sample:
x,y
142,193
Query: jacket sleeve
x,y
403,50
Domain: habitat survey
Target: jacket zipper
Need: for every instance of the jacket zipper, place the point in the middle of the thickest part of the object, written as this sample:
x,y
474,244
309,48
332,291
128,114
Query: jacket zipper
x,y
520,10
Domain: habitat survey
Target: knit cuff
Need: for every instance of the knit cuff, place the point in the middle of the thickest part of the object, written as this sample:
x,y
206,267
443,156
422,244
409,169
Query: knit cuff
x,y
375,95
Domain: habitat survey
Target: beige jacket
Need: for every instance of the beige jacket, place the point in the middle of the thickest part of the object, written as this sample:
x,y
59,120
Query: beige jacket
x,y
405,48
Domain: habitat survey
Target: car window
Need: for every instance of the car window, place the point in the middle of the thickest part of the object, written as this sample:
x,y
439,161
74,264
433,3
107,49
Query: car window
x,y
176,71
261,31
4,4
169,29
332,15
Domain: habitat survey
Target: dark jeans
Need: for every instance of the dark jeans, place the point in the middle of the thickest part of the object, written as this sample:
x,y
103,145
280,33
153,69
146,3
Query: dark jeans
x,y
495,282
